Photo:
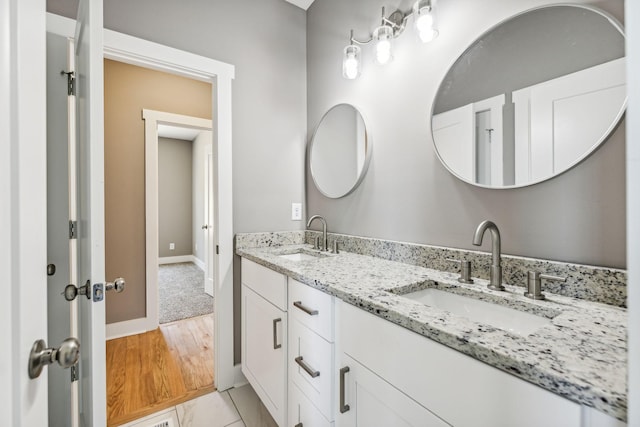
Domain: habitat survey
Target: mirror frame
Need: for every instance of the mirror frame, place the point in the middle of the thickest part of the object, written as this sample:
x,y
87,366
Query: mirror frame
x,y
367,157
597,144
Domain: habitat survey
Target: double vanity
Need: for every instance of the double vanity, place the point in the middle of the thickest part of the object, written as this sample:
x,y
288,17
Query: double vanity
x,y
385,334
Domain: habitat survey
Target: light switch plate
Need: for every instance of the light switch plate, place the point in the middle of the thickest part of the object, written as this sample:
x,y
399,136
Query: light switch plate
x,y
296,211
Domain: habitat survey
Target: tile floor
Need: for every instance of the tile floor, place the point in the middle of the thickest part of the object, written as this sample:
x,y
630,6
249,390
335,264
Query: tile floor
x,y
238,407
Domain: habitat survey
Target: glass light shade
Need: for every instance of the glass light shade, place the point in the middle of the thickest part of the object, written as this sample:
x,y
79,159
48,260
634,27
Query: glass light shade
x,y
351,62
425,20
383,36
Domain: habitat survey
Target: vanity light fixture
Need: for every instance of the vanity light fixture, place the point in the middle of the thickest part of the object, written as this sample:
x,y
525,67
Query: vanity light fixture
x,y
391,27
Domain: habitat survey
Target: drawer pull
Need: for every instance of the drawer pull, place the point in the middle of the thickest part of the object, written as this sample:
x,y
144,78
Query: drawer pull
x,y
343,407
298,425
307,310
306,367
275,334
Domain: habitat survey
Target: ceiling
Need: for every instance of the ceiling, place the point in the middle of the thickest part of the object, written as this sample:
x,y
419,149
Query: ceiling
x,y
176,132
303,4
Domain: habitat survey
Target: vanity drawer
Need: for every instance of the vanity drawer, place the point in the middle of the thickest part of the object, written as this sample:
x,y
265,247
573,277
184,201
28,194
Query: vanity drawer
x,y
269,284
311,366
313,308
302,412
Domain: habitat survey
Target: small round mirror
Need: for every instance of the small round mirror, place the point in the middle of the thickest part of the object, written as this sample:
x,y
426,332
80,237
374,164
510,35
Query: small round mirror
x,y
532,97
339,151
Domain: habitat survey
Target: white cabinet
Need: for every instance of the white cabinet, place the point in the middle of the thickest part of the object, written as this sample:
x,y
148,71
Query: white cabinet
x,y
456,388
311,355
369,401
264,337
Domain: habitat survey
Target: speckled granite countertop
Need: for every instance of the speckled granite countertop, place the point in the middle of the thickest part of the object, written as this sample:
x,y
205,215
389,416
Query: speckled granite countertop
x,y
581,354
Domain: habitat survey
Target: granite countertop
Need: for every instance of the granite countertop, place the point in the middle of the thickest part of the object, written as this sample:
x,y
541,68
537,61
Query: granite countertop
x,y
581,354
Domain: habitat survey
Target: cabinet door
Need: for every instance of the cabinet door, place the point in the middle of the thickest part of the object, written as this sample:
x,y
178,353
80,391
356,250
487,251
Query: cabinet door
x,y
370,401
264,349
302,413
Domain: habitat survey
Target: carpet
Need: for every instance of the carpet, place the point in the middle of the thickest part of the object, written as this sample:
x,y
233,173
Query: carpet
x,y
181,292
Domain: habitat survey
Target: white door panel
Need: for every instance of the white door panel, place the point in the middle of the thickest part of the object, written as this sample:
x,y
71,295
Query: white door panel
x,y
90,99
454,131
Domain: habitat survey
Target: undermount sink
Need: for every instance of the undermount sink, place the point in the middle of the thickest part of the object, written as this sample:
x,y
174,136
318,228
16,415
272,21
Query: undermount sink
x,y
508,319
302,255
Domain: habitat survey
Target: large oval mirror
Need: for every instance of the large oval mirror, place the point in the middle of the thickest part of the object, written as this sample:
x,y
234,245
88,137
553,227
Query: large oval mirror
x,y
531,97
339,152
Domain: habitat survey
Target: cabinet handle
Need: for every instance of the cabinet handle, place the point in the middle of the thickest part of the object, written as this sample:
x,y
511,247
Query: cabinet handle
x,y
298,425
307,310
343,407
306,367
275,333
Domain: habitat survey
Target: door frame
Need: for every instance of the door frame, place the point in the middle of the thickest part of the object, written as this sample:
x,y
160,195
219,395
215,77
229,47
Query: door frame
x,y
124,48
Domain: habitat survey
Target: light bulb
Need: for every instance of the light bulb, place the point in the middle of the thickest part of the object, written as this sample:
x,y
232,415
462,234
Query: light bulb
x,y
351,62
383,36
425,21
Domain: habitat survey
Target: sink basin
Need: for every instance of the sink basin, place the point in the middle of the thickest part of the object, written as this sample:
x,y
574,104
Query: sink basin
x,y
302,255
508,319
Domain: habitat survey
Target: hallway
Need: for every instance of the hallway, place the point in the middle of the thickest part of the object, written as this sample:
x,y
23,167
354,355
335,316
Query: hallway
x,y
158,369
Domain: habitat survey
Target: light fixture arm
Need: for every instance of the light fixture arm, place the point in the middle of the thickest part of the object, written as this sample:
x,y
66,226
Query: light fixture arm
x,y
353,40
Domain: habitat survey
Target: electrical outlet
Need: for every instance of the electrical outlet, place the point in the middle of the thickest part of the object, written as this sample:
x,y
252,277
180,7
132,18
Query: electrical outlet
x,y
296,211
172,246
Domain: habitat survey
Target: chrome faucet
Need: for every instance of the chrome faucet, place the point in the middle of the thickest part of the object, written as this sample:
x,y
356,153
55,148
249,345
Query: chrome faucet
x,y
495,274
325,246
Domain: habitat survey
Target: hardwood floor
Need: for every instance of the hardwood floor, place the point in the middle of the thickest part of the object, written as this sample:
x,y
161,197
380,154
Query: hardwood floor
x,y
159,369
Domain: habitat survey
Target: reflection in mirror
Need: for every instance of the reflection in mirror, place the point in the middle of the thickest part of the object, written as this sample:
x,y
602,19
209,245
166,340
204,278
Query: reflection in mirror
x,y
532,97
339,152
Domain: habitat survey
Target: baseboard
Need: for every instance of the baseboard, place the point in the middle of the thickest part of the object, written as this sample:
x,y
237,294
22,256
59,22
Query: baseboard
x,y
128,327
175,259
197,261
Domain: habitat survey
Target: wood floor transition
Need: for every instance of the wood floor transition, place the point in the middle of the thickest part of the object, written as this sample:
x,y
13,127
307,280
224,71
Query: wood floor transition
x,y
158,369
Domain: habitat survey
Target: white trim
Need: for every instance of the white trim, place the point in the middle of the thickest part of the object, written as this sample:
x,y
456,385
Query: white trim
x,y
151,55
127,328
152,119
197,261
176,259
60,25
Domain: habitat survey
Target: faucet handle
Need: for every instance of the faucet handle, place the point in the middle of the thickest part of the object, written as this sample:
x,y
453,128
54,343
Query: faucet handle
x,y
316,242
465,270
534,283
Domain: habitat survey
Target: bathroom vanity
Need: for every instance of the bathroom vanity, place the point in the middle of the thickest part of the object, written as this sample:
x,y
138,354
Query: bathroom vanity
x,y
349,339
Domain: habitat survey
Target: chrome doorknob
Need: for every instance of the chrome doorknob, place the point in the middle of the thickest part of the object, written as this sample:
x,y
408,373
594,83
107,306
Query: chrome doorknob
x,y
117,285
66,355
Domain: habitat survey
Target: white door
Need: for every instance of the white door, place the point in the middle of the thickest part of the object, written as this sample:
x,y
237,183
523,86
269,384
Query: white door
x,y
23,305
209,198
90,137
453,132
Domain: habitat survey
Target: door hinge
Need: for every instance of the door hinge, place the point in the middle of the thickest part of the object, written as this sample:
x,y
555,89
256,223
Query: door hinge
x,y
71,82
73,229
74,373
217,250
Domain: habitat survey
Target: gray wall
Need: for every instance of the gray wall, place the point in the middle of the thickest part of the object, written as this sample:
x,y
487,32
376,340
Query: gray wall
x,y
199,157
407,194
175,197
